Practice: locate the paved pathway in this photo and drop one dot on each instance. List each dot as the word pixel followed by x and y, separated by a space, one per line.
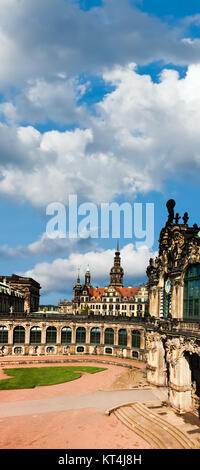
pixel 101 400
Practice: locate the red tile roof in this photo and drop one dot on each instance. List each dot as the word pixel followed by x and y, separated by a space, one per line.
pixel 124 291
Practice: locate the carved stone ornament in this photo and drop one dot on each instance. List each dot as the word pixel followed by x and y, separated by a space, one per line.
pixel 176 347
pixel 152 339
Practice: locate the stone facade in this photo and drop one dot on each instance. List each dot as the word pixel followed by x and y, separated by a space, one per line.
pixel 11 299
pixel 28 287
pixel 44 335
pixel 173 334
pixel 114 299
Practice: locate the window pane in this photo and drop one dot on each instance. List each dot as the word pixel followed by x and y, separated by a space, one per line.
pixel 135 339
pixel 122 338
pixel 66 335
pixel 80 335
pixel 95 336
pixel 109 336
pixel 192 292
pixel 35 335
pixel 51 335
pixel 19 334
pixel 3 334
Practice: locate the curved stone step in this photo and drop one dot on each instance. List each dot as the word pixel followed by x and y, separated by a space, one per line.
pixel 159 433
pixel 175 432
pixel 132 424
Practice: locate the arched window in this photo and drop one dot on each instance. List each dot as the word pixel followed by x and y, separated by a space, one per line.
pixel 191 306
pixel 19 335
pixel 35 335
pixel 109 336
pixel 51 335
pixel 3 334
pixel 135 339
pixel 122 337
pixel 66 335
pixel 80 335
pixel 95 336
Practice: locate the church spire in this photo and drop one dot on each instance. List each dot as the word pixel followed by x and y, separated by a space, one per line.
pixel 117 272
pixel 87 276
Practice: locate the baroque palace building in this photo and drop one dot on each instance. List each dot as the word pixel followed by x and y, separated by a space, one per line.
pixel 114 299
pixel 108 321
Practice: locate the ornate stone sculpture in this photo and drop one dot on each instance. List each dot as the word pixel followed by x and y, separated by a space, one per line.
pixel 170 206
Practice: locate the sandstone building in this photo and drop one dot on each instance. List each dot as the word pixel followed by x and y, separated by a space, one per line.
pixel 166 336
pixel 114 299
pixel 28 287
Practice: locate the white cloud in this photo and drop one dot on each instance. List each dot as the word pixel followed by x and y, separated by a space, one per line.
pixel 39 39
pixel 62 273
pixel 46 246
pixel 41 100
pixel 142 135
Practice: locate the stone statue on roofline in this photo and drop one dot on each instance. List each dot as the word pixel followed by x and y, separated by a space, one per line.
pixel 170 207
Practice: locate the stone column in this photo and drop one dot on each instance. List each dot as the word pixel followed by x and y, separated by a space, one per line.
pixel 156 365
pixel 58 341
pixel 142 339
pixel 102 335
pixel 173 300
pixel 129 338
pixel 177 299
pixel 154 306
pixel 180 389
pixel 180 300
pixel 87 334
pixel 43 335
pixel 10 335
pixel 115 336
pixel 73 334
pixel 27 334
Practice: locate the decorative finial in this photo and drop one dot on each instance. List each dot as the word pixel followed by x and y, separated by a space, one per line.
pixel 177 217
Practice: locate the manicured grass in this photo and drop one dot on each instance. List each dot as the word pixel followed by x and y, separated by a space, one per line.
pixel 31 377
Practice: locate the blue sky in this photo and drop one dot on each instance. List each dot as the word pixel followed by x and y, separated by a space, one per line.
pixel 99 99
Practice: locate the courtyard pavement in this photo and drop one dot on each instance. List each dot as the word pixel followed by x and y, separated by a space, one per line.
pixel 71 415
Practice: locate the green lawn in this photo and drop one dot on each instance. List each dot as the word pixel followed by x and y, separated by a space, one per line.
pixel 35 376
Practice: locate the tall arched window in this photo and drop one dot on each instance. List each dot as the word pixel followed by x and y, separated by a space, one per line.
pixel 51 335
pixel 122 337
pixel 80 335
pixel 66 335
pixel 109 336
pixel 19 335
pixel 135 339
pixel 35 335
pixel 95 336
pixel 191 305
pixel 3 334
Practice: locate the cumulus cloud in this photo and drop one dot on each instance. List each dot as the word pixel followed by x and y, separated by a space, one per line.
pixel 39 101
pixel 46 246
pixel 38 38
pixel 142 134
pixel 61 274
